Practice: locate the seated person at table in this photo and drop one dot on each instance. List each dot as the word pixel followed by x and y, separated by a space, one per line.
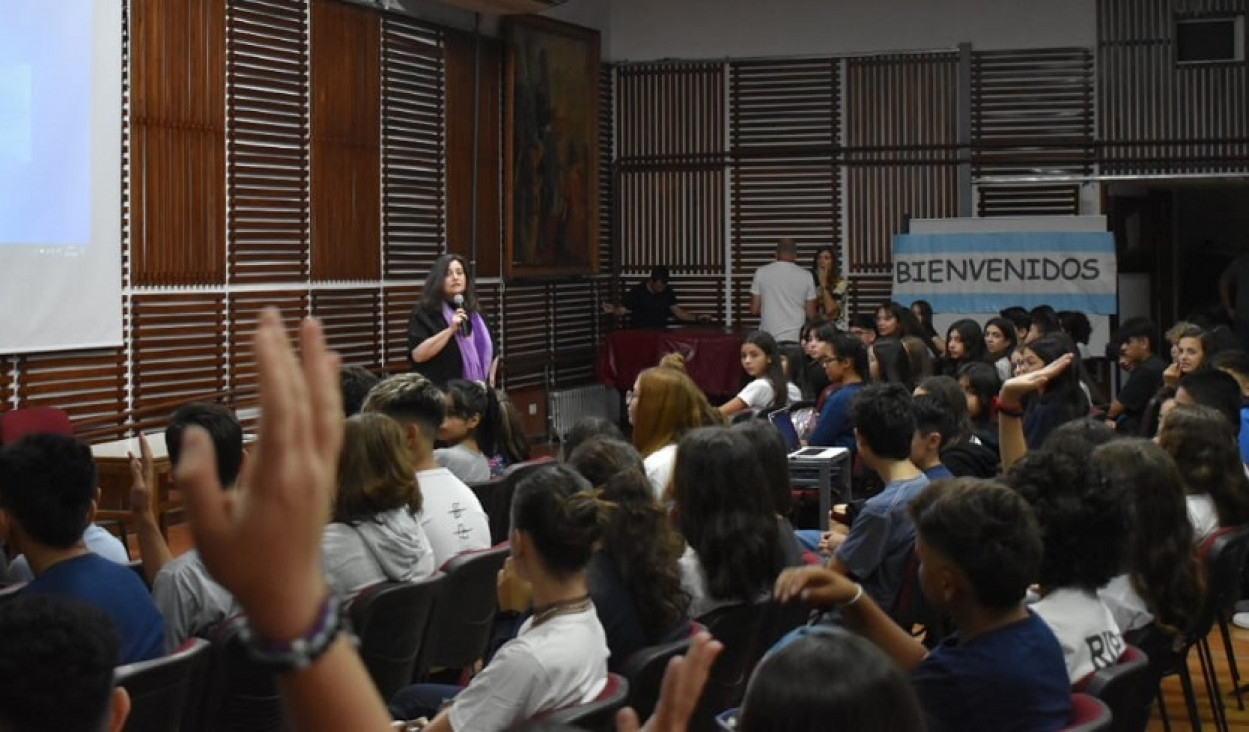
pixel 375 533
pixel 47 498
pixel 57 662
pixel 651 303
pixel 560 656
pixel 845 362
pixel 1084 524
pixel 876 548
pixel 190 600
pixel 451 515
pixel 979 548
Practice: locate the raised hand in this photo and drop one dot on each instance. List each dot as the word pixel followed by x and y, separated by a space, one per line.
pixel 142 478
pixel 683 684
pixel 1017 387
pixel 264 544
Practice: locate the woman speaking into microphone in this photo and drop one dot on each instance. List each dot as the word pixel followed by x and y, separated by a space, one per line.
pixel 447 337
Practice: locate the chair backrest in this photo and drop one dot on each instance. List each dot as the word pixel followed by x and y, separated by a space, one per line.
pixel 17 423
pixel 1224 552
pixel 1088 714
pixel 598 715
pixel 239 694
pixel 1127 688
pixel 463 610
pixel 911 608
pixel 392 621
pixel 747 632
pixel 495 497
pixel 645 672
pixel 159 688
pixel 784 424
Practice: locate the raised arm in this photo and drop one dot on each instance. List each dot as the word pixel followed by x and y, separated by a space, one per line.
pixel 153 549
pixel 1013 445
pixel 265 546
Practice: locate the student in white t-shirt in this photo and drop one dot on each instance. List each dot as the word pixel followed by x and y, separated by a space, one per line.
pixel 664 405
pixel 451 515
pixel 768 388
pixel 1084 525
pixel 559 659
pixel 1203 444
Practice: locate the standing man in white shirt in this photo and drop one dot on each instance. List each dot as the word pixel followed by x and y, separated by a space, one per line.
pixel 783 293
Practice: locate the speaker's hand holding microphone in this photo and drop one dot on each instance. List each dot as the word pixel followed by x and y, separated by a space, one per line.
pixel 461 320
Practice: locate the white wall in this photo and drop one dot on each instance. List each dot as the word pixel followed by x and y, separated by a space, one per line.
pixel 645 30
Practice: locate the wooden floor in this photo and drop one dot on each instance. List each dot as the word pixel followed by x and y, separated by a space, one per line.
pixel 180 541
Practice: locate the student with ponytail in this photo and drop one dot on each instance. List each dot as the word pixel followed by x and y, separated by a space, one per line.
pixel 559 659
pixel 472 430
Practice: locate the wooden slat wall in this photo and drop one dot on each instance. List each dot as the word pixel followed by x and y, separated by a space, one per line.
pixel 1029 200
pixel 528 339
pixel 459 147
pixel 350 318
pixel 901 139
pixel 398 303
pixel 786 116
pixel 1032 112
pixel 178 354
pixel 413 170
pixel 243 311
pixel 1156 116
pixel 178 141
pixel 670 167
pixel 89 385
pixel 346 117
pixel 268 175
pixel 606 168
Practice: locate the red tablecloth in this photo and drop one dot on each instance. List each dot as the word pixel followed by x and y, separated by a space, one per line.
pixel 712 357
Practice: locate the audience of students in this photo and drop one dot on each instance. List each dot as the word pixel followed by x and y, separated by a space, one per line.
pixel 634 577
pixel 375 533
pixel 1134 350
pixel 964 344
pixel 1204 447
pixel 47 499
pixel 773 457
pixel 1000 340
pixel 981 384
pixel 189 598
pixel 1084 526
pixel 888 361
pixel 961 450
pixel 723 508
pixel 470 431
pixel 844 359
pixel 664 405
pixel 768 388
pixel 1057 401
pixel 979 549
pixel 451 515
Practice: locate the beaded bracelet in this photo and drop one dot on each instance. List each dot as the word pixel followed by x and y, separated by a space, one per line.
pixel 299 652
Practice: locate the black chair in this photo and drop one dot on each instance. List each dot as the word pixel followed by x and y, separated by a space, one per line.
pixel 392 620
pixel 239 695
pixel 1224 552
pixel 495 497
pixel 911 609
pixel 598 715
pixel 159 688
pixel 463 611
pixel 747 632
pixel 645 672
pixel 1127 688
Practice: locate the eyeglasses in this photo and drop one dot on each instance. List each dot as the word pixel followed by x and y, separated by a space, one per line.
pixel 826 360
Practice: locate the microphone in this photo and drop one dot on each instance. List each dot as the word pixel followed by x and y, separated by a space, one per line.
pixel 466 328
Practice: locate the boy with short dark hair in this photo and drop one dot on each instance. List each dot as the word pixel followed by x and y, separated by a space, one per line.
pixel 979 548
pixel 876 548
pixel 47 498
pixel 933 427
pixel 1135 343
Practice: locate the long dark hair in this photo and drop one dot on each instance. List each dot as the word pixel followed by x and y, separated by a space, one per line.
pixel 946 390
pixel 474 399
pixel 924 317
pixel 775 373
pixel 725 513
pixel 561 514
pixel 1204 447
pixel 639 538
pixel 984 382
pixel 1162 560
pixel 1064 391
pixel 893 363
pixel 1008 329
pixel 432 296
pixel 972 336
pixel 815 264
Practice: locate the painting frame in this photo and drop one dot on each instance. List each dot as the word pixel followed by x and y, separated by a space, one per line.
pixel 551 139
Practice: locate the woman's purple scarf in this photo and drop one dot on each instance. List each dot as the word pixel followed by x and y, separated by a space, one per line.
pixel 476 350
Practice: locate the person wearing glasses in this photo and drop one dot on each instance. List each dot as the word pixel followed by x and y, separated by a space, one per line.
pixel 844 359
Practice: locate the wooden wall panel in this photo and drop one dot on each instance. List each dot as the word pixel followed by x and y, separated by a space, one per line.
pixel 178 141
pixel 267 171
pixel 413 169
pixel 397 306
pixel 89 385
pixel 179 353
pixel 352 321
pixel 1156 116
pixel 346 118
pixel 527 334
pixel 460 167
pixel 243 313
pixel 901 150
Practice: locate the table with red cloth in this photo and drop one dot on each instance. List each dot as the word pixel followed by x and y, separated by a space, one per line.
pixel 712 357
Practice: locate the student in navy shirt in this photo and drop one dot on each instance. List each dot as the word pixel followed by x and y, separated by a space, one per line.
pixel 1002 669
pixel 47 498
pixel 844 359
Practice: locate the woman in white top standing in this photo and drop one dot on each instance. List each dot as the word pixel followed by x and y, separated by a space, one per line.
pixel 768 388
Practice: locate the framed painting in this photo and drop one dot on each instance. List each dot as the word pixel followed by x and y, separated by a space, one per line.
pixel 551 148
